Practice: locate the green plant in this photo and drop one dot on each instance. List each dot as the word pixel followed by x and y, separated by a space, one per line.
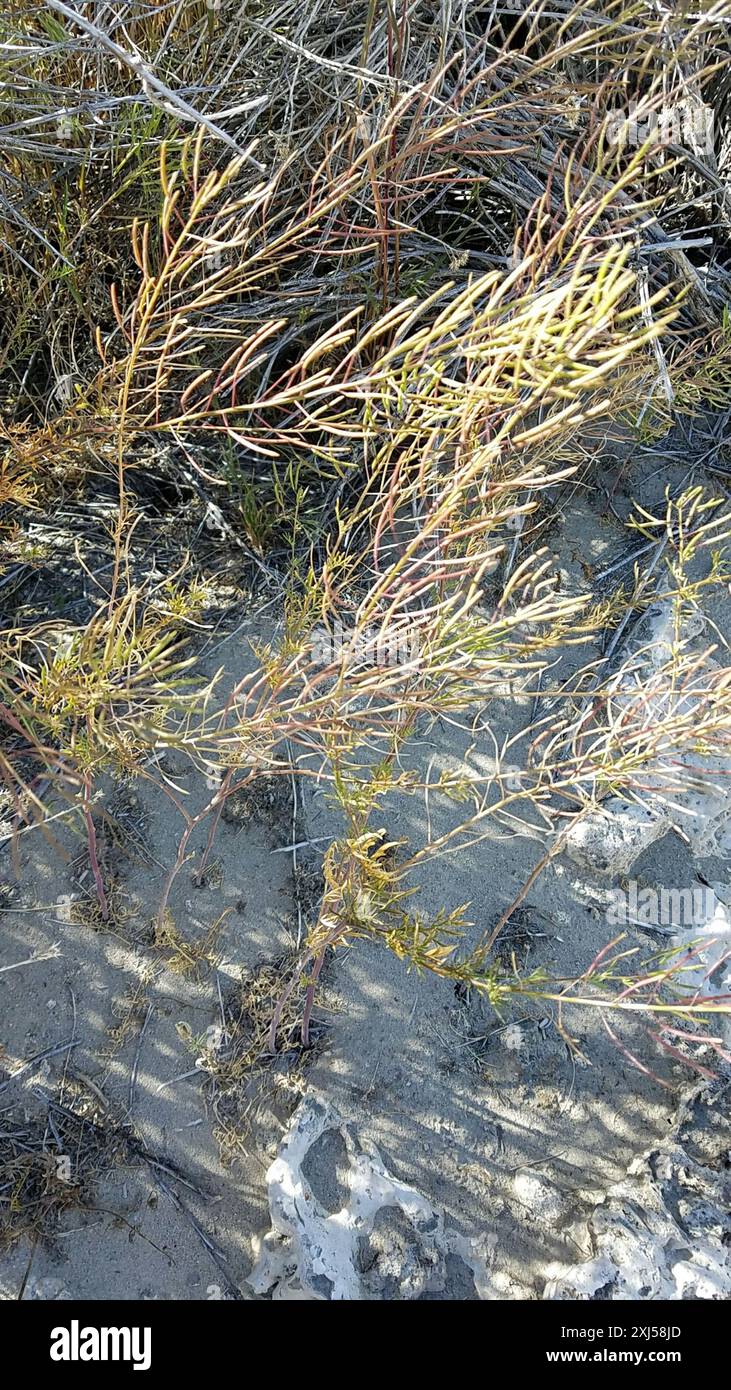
pixel 369 321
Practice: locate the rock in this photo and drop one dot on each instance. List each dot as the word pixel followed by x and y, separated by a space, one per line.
pixel 384 1241
pixel 541 1198
pixel 48 1289
pixel 664 1231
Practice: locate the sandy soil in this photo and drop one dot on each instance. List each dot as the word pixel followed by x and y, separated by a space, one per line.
pixel 509 1138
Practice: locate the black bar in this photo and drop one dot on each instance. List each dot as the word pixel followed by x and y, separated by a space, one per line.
pixel 204 1337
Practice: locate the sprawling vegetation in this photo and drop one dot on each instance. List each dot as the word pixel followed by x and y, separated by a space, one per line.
pixel 347 291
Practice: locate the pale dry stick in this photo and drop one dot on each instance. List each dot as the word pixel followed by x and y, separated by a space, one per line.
pixel 136 1064
pixel 151 85
pixel 183 1076
pixel 51 954
pixel 39 1057
pixel 301 844
pixel 215 1254
pixel 75 1020
pixel 224 1029
pixel 664 376
pixel 373 79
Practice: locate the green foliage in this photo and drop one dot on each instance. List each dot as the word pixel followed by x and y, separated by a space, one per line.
pixel 364 286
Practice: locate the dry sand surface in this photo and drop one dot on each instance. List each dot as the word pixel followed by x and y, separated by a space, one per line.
pixel 466 1153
